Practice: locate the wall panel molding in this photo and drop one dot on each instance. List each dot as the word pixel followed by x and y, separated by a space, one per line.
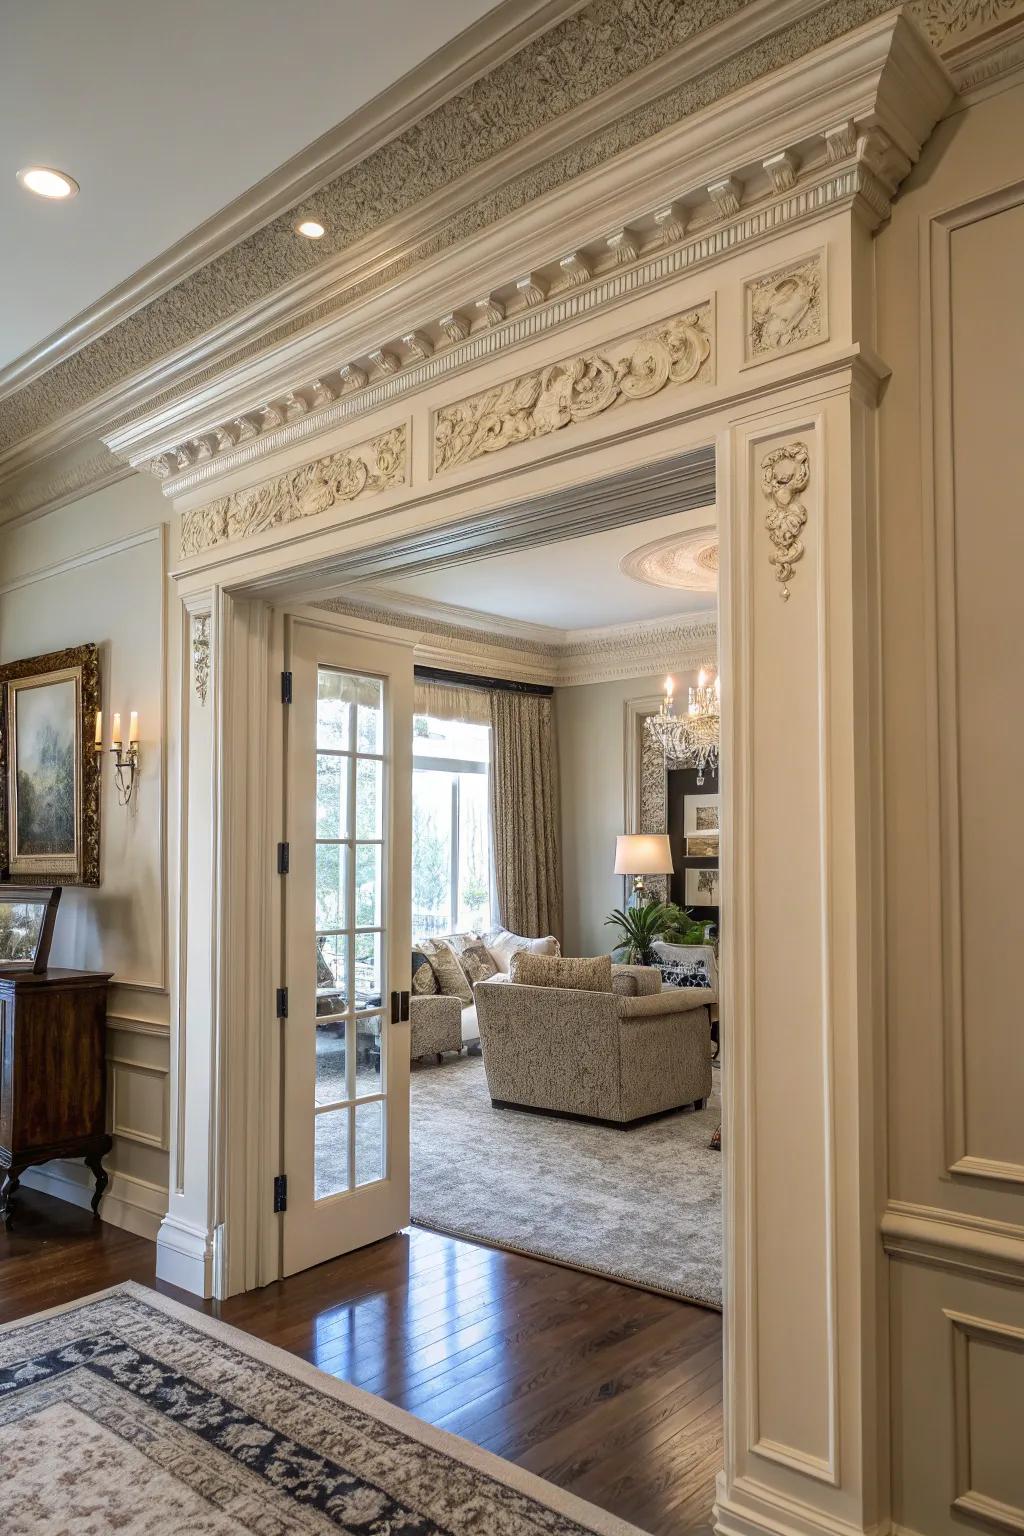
pixel 970 1335
pixel 955 1240
pixel 939 488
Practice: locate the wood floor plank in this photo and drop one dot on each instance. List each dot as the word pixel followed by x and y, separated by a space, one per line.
pixel 608 1391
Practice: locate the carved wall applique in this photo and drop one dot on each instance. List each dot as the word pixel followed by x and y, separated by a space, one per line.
pixel 548 399
pixel 786 309
pixel 201 655
pixel 785 473
pixel 364 470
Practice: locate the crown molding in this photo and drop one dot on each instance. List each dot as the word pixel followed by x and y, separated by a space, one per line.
pixel 465 639
pixel 483 45
pixel 661 185
pixel 882 85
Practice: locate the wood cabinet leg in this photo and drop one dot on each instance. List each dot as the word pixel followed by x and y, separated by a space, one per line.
pixel 12 1178
pixel 94 1163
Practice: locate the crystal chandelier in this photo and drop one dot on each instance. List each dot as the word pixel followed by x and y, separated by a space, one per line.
pixel 690 740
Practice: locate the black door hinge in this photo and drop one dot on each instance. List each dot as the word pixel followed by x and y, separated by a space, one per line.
pixel 282 858
pixel 280 1193
pixel 282 1002
pixel 286 687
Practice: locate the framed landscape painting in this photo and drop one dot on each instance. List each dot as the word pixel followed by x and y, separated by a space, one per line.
pixel 49 773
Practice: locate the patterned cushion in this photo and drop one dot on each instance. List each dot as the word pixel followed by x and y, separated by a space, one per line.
pixel 452 979
pixel 553 971
pixel 474 957
pixel 686 973
pixel 502 945
pixel 424 981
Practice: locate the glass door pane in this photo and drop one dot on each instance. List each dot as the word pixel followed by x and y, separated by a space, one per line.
pixel 350 1101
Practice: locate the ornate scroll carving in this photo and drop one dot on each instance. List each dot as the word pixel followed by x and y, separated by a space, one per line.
pixel 201 655
pixel 786 309
pixel 785 473
pixel 574 390
pixel 360 471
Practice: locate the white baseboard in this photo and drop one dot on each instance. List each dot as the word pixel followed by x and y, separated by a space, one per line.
pixel 185 1256
pixel 753 1509
pixel 130 1203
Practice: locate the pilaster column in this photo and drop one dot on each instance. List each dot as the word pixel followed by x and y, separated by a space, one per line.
pixel 804 1313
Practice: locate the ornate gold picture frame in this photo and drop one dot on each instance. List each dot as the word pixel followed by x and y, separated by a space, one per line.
pixel 49 770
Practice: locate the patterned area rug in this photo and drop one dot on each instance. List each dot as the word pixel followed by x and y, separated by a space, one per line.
pixel 644 1205
pixel 128 1413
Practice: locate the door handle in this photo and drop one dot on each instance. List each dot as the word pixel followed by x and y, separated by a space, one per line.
pixel 405 1008
pixel 396 1007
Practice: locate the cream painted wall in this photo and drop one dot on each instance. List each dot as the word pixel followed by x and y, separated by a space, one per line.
pixel 951 327
pixel 591 724
pixel 96 571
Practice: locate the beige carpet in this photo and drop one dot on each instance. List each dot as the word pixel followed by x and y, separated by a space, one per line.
pixel 642 1205
pixel 126 1413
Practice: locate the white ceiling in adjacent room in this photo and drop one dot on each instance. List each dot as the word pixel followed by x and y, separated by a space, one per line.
pixel 164 111
pixel 574 584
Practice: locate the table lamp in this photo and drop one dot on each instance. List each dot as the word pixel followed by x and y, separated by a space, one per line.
pixel 642 853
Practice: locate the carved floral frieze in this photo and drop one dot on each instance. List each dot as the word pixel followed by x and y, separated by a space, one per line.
pixel 680 351
pixel 785 474
pixel 786 309
pixel 364 470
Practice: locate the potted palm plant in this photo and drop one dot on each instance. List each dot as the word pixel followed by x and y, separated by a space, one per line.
pixel 641 927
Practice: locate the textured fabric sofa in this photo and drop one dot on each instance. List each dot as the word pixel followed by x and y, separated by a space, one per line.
pixel 606 1056
pixel 441 1020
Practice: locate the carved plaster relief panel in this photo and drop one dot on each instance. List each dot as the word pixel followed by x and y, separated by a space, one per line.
pixel 785 473
pixel 363 470
pixel 680 351
pixel 785 309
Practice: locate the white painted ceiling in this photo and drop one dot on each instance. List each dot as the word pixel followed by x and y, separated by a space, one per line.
pixel 164 111
pixel 574 584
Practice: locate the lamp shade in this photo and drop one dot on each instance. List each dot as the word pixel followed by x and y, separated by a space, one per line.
pixel 643 853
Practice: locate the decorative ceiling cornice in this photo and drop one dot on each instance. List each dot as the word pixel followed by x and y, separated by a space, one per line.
pixel 604 79
pixel 467 639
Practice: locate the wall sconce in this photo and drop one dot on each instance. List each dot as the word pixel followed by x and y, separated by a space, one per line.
pixel 126 760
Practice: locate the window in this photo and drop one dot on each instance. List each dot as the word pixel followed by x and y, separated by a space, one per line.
pixel 451 845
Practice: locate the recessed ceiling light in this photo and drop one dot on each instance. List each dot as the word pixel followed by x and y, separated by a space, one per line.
pixel 309 229
pixel 46 182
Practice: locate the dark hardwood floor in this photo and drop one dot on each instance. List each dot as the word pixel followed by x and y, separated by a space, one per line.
pixel 606 1390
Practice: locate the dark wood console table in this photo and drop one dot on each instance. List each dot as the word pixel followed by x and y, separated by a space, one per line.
pixel 53 1076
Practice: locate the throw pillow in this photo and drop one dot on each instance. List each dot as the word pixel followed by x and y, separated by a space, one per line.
pixel 452 979
pixel 685 973
pixel 555 971
pixel 424 981
pixel 475 958
pixel 502 945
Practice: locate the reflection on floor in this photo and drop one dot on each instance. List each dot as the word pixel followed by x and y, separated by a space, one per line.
pixel 607 1391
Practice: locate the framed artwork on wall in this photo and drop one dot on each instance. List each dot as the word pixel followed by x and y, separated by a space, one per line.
pixel 700 815
pixel 702 845
pixel 49 769
pixel 702 888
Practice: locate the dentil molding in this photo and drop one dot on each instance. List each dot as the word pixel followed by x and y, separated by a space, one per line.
pixel 650 202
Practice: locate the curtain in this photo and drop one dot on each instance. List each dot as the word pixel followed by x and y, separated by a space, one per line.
pixel 525 821
pixel 452 701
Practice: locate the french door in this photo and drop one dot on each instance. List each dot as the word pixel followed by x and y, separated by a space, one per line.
pixel 348 776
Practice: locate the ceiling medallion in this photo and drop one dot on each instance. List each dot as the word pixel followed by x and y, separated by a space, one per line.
pixel 688 561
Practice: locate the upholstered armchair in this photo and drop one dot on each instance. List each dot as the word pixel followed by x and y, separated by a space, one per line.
pixel 605 1056
pixel 435 1025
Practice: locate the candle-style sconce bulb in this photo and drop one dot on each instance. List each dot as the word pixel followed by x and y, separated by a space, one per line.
pixel 126 759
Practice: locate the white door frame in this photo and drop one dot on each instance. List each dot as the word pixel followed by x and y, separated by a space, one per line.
pixel 811 657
